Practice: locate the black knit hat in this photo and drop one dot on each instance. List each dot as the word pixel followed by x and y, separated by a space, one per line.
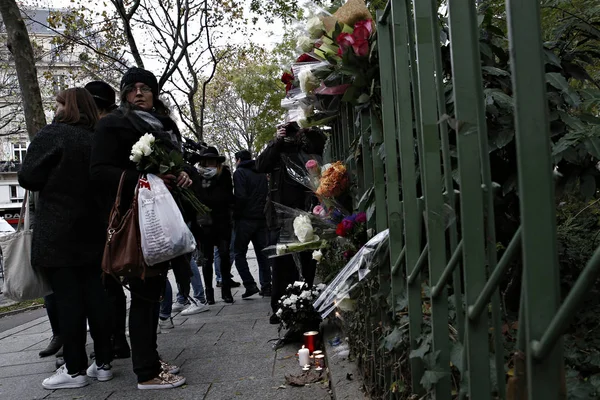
pixel 243 155
pixel 103 94
pixel 139 75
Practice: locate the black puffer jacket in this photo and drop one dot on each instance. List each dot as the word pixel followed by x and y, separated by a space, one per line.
pixel 67 231
pixel 251 189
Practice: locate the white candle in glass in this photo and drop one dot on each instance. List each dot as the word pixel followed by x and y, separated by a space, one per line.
pixel 303 356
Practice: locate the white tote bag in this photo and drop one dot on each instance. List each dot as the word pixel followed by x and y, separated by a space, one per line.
pixel 21 281
pixel 164 233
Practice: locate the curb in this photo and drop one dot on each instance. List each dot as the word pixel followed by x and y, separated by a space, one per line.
pixel 345 378
pixel 21 310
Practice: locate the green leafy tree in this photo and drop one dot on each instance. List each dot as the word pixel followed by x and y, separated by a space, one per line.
pixel 243 102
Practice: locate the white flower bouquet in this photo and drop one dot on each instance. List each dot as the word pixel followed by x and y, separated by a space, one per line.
pixel 152 157
pixel 296 307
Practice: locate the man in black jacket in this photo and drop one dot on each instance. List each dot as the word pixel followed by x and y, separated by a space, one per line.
pixel 283 189
pixel 250 189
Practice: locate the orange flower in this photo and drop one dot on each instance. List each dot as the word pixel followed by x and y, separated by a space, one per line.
pixel 334 181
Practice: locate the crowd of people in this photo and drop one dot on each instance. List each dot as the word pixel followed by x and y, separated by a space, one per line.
pixel 78 162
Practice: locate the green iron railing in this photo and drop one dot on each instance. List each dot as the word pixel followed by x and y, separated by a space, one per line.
pixel 405 163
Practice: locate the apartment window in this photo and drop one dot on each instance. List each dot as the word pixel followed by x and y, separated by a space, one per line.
pixel 19 151
pixel 17 193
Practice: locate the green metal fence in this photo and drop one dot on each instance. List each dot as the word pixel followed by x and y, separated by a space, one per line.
pixel 405 162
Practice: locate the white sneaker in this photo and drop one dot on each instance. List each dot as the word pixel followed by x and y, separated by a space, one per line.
pixel 166 324
pixel 102 373
pixel 164 380
pixel 177 306
pixel 195 309
pixel 62 380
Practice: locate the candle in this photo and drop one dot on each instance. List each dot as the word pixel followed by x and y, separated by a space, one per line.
pixel 306 368
pixel 319 362
pixel 310 340
pixel 303 356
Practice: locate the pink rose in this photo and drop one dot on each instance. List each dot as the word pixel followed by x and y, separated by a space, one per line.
pixel 319 211
pixel 311 164
pixel 344 40
pixel 361 217
pixel 363 29
pixel 361 47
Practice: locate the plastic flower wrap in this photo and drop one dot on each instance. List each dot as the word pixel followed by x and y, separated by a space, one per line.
pixel 299 231
pixel 373 253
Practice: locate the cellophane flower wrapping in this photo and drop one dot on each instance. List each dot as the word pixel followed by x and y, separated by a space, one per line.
pixel 299 231
pixel 296 306
pixel 375 251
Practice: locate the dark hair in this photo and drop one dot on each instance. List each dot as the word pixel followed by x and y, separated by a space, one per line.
pixel 243 155
pixel 312 140
pixel 158 105
pixel 103 94
pixel 79 108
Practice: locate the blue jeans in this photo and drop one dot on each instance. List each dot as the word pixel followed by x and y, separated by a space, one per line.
pixel 166 304
pixel 218 258
pixel 255 231
pixel 196 285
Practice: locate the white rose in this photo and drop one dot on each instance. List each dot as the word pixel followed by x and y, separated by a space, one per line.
pixel 298 284
pixel 315 27
pixel 317 255
pixel 303 229
pixel 146 150
pixel 305 44
pixel 308 82
pixel 279 312
pixel 136 155
pixel 321 286
pixel 148 139
pixel 325 168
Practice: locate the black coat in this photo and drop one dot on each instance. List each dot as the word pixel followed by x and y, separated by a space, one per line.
pixel 283 189
pixel 218 196
pixel 251 189
pixel 67 230
pixel 114 137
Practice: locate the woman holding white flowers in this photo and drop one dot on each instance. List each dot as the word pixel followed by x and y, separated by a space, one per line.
pixel 140 112
pixel 68 237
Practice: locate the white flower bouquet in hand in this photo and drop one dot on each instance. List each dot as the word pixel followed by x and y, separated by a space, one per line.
pixel 153 156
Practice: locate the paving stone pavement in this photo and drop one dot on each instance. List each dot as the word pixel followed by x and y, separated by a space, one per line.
pixel 223 353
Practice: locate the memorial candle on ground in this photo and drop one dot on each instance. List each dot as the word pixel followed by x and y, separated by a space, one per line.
pixel 303 356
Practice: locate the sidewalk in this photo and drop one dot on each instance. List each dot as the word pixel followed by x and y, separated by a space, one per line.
pixel 224 354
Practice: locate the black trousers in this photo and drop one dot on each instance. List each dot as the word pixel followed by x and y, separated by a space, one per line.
pixel 143 321
pixel 117 305
pixel 219 236
pixel 285 272
pixel 52 311
pixel 79 295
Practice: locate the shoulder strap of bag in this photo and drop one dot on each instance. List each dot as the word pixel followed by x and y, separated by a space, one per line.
pixel 120 189
pixel 24 219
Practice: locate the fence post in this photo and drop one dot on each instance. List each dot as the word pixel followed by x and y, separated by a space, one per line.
pixel 411 216
pixel 432 177
pixel 536 193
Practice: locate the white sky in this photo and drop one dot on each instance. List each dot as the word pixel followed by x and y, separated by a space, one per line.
pixel 262 33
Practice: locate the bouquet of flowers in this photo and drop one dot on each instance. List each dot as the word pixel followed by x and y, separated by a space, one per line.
pixel 296 310
pixel 299 231
pixel 152 156
pixel 334 180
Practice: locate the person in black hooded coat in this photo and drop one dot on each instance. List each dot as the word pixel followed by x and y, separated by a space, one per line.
pixel 140 112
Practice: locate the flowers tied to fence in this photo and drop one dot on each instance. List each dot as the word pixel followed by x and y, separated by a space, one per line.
pixel 152 156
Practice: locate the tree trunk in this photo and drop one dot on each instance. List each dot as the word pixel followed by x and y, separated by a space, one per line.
pixel 18 38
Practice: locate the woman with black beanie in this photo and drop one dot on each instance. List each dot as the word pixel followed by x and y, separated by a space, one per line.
pixel 140 112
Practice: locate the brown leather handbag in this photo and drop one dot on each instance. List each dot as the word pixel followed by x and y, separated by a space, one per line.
pixel 123 251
